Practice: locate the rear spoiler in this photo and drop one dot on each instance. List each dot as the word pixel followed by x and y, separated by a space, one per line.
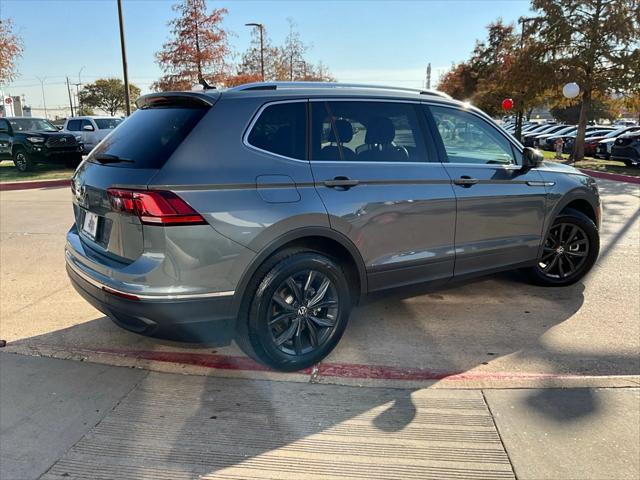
pixel 178 99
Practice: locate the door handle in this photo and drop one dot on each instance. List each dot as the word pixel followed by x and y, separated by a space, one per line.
pixel 342 183
pixel 466 181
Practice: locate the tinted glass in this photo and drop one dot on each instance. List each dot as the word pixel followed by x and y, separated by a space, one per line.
pixel 149 136
pixel 86 123
pixel 469 139
pixel 74 125
pixel 366 132
pixel 282 129
pixel 31 125
pixel 4 126
pixel 107 123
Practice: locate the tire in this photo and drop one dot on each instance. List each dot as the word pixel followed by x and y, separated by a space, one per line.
pixel 22 160
pixel 631 163
pixel 570 250
pixel 276 328
pixel 73 161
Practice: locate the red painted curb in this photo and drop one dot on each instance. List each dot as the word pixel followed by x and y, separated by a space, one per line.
pixel 36 184
pixel 616 177
pixel 338 370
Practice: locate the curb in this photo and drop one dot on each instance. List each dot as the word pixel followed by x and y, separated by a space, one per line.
pixel 65 182
pixel 616 177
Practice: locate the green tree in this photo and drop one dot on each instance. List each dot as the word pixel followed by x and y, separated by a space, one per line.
pixel 591 42
pixel 198 49
pixel 10 51
pixel 107 94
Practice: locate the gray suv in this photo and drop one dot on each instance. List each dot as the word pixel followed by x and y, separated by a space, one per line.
pixel 266 212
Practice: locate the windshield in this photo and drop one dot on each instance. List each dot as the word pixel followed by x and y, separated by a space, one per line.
pixel 107 123
pixel 32 124
pixel 620 131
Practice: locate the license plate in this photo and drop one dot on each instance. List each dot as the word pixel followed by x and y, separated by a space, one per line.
pixel 90 224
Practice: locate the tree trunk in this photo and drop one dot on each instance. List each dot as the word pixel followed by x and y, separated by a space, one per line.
pixel 578 152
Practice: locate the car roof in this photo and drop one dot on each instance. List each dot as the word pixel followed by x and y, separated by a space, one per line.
pixel 95 117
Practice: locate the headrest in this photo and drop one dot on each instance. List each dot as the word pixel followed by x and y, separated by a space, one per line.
pixel 380 131
pixel 345 131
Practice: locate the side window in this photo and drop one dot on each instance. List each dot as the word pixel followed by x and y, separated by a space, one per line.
pixel 281 129
pixel 4 125
pixel 85 123
pixel 74 125
pixel 366 132
pixel 469 139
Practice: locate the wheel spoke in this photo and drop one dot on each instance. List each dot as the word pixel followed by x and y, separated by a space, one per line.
pixel 560 268
pixel 281 317
pixel 322 322
pixel 297 340
pixel 309 281
pixel 572 234
pixel 578 243
pixel 313 333
pixel 295 289
pixel 561 234
pixel 320 293
pixel 281 301
pixel 326 303
pixel 576 254
pixel 572 266
pixel 552 264
pixel 288 333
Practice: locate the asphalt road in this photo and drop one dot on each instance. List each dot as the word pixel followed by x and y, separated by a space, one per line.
pixel 497 331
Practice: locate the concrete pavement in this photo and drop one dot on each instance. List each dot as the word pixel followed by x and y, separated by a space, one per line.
pixel 72 420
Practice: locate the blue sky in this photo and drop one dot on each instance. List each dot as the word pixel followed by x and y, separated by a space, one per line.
pixel 386 42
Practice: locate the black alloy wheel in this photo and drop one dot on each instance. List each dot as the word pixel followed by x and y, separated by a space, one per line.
pixel 566 249
pixel 304 311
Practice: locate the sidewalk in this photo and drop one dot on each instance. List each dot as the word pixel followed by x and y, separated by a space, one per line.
pixel 68 419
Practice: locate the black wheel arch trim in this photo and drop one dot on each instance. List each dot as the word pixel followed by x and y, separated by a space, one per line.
pixel 562 204
pixel 291 236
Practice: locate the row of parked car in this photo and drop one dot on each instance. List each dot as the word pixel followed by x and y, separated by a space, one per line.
pixel 615 142
pixel 29 141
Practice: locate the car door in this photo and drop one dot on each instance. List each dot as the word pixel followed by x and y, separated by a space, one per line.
pixel 88 133
pixel 5 140
pixel 375 169
pixel 500 206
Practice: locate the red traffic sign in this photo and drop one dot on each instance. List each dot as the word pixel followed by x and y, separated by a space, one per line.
pixel 8 100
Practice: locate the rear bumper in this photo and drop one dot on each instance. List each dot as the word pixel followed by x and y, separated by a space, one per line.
pixel 204 320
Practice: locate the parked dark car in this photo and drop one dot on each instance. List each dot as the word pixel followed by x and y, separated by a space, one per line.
pixel 28 141
pixel 570 140
pixel 626 149
pixel 603 147
pixel 530 139
pixel 266 212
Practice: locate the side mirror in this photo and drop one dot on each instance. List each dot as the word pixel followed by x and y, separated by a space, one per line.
pixel 531 158
pixel 88 128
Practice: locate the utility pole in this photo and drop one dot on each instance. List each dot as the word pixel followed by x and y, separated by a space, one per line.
pixel 70 102
pixel 44 102
pixel 127 100
pixel 428 76
pixel 79 102
pixel 260 26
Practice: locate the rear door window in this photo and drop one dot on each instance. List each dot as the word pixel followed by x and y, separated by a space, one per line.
pixel 367 131
pixel 107 123
pixel 86 123
pixel 281 129
pixel 148 137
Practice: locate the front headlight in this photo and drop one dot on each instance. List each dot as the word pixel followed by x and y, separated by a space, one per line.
pixel 35 139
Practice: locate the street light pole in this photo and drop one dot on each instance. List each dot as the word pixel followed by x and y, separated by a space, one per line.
pixel 44 102
pixel 127 100
pixel 520 111
pixel 260 26
pixel 79 104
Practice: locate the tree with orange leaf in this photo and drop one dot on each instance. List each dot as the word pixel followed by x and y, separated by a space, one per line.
pixel 10 51
pixel 198 49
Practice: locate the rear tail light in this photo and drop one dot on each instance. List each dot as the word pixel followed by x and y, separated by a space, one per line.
pixel 154 207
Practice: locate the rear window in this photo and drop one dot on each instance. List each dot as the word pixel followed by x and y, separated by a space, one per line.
pixel 148 137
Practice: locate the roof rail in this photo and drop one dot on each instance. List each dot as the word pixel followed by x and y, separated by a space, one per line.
pixel 293 85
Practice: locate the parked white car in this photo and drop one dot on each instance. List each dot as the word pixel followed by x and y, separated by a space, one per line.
pixel 90 129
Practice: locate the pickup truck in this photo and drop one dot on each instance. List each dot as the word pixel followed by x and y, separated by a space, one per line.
pixel 29 141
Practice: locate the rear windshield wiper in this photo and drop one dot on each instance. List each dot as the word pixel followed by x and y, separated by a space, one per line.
pixel 109 158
